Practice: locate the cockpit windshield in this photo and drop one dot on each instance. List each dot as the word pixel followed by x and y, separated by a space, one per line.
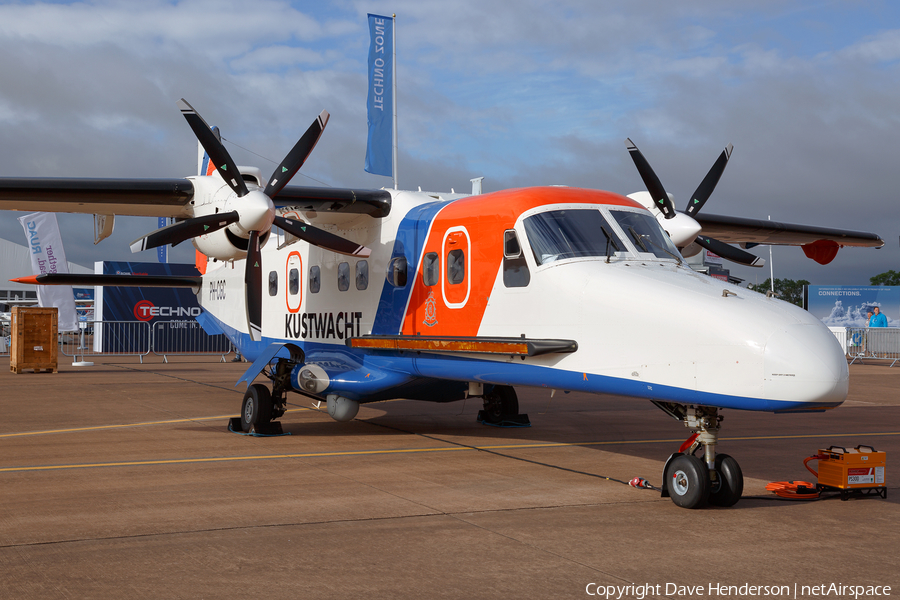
pixel 560 234
pixel 646 234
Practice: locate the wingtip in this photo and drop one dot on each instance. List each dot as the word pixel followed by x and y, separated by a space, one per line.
pixel 32 280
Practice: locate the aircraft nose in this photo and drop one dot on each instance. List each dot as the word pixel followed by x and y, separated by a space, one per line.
pixel 805 366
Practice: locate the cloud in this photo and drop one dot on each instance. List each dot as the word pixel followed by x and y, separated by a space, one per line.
pixel 523 93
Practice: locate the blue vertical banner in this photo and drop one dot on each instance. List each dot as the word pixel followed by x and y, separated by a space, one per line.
pixel 380 102
pixel 162 252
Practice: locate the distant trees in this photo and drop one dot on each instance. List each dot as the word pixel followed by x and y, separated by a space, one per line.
pixel 887 278
pixel 787 289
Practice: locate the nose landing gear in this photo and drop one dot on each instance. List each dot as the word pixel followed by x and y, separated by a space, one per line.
pixel 690 481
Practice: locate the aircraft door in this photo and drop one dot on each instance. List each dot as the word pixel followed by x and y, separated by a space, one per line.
pixel 456 271
pixel 294 282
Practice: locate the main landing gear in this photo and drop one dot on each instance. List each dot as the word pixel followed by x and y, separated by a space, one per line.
pixel 260 406
pixel 693 481
pixel 501 406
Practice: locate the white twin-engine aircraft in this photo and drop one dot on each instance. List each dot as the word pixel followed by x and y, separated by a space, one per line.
pixel 355 296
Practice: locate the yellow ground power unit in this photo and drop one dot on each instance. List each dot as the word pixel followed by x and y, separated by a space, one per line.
pixel 858 471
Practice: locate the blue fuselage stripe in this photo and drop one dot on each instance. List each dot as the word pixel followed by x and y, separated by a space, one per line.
pixel 411 237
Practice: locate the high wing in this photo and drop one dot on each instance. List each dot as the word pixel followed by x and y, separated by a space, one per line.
pixel 165 197
pixel 738 230
pixel 133 197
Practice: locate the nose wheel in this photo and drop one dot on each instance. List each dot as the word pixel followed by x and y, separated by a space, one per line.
pixel 692 481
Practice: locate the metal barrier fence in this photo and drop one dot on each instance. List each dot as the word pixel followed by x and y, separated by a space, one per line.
pixel 187 338
pixel 879 343
pixel 4 338
pixel 106 338
pixel 137 338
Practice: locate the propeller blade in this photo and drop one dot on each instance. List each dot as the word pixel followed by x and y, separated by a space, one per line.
pixel 189 228
pixel 706 187
pixel 322 239
pixel 297 156
pixel 253 281
pixel 729 252
pixel 651 181
pixel 213 146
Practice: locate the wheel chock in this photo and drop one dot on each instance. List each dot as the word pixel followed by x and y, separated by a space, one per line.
pixel 270 429
pixel 516 421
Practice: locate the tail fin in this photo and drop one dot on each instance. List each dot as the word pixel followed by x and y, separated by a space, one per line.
pixel 204 165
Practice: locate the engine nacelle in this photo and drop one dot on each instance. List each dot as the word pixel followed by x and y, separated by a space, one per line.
pixel 211 196
pixel 342 409
pixel 224 245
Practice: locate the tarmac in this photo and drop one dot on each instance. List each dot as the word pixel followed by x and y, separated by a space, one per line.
pixel 121 480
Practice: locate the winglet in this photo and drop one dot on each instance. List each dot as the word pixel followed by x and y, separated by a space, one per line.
pixel 32 280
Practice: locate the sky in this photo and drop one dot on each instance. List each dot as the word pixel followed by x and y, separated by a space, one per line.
pixel 524 92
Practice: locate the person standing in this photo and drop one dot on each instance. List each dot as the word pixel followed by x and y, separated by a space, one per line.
pixel 878 319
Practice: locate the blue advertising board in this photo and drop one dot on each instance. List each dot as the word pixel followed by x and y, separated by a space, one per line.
pixel 148 304
pixel 846 306
pixel 169 312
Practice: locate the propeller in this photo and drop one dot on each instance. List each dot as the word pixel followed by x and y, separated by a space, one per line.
pixel 253 281
pixel 681 226
pixel 729 252
pixel 660 198
pixel 254 212
pixel 706 187
pixel 184 230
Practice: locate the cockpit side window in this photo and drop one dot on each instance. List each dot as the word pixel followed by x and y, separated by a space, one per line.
pixel 646 234
pixel 515 268
pixel 570 233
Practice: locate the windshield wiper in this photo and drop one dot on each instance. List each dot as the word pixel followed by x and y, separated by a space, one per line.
pixel 637 238
pixel 664 249
pixel 609 239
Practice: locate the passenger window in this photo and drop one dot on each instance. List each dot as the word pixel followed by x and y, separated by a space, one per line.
pixel 315 283
pixel 273 283
pixel 456 266
pixel 344 276
pixel 362 275
pixel 430 269
pixel 293 282
pixel 397 271
pixel 515 269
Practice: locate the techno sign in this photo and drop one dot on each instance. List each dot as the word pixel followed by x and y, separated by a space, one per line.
pixel 145 305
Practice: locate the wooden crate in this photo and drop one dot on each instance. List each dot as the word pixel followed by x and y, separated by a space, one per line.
pixel 33 333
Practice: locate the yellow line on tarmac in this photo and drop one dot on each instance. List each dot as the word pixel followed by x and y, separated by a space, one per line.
pixel 178 461
pixel 409 451
pixel 124 425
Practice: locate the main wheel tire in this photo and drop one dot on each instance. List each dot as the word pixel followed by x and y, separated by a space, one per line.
pixel 501 403
pixel 688 481
pixel 729 485
pixel 257 406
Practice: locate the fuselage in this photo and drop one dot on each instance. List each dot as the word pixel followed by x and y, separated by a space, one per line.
pixel 539 263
